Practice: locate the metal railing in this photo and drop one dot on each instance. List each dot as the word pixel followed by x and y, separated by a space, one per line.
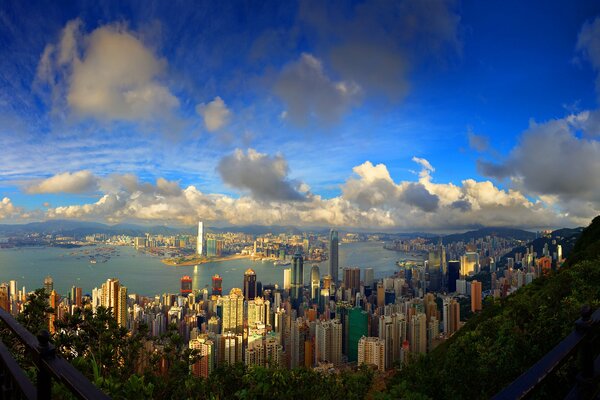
pixel 580 342
pixel 16 385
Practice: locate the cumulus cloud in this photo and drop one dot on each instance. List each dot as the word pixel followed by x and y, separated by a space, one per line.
pixel 215 114
pixel 588 45
pixel 76 182
pixel 406 205
pixel 7 208
pixel 264 176
pixel 310 94
pixel 558 161
pixel 108 74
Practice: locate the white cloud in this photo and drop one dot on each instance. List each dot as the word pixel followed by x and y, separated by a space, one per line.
pixel 76 182
pixel 557 161
pixel 215 114
pixel 108 75
pixel 370 199
pixel 7 208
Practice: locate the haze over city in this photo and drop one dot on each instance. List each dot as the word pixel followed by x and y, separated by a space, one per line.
pixel 396 116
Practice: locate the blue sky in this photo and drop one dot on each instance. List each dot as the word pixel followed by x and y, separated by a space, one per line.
pixel 309 113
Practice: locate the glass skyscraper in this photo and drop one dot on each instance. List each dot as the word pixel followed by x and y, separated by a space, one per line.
pixel 333 255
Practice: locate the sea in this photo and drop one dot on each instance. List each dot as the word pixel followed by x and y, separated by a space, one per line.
pixel 146 275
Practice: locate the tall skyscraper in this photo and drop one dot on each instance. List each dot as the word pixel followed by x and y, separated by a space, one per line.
pixel 418 334
pixel 469 263
pixel 352 279
pixel 114 296
pixel 233 312
pixel 249 284
pixel 200 239
pixel 297 277
pixel 315 283
pixel 328 341
pixel 453 275
pixel 358 321
pixel 76 296
pixel 368 281
pixel 287 278
pixel 333 255
pixel 206 356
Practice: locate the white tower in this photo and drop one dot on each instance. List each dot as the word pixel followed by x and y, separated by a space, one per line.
pixel 200 244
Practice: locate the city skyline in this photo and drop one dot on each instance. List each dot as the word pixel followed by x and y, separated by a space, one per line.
pixel 268 116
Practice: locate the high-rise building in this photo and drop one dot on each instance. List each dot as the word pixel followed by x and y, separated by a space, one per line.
pixel 214 247
pixel 186 285
pixel 315 283
pixel 371 351
pixel 352 279
pixel 475 296
pixel 13 291
pixel 233 312
pixel 48 284
pixel 297 277
pixel 287 278
pixel 54 305
pixel 328 341
pixel 114 296
pixel 333 255
pixel 76 296
pixel 469 263
pixel 453 275
pixel 250 284
pixel 451 316
pixel 200 239
pixel 230 348
pixel 368 281
pixel 217 285
pixel 418 334
pixel 205 362
pixel 358 321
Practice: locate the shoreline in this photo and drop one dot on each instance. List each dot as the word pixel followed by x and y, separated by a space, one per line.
pixel 188 263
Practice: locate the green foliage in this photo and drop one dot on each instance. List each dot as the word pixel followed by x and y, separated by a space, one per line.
pixel 35 312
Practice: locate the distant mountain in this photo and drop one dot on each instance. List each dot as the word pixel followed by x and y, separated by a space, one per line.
pixel 509 233
pixel 82 228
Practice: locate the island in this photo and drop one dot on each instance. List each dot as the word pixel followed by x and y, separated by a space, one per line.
pixel 196 260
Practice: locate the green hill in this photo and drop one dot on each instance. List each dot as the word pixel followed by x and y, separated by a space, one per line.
pixel 510 335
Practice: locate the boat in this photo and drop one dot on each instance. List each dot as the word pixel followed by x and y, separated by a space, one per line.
pixel 93 261
pixel 282 263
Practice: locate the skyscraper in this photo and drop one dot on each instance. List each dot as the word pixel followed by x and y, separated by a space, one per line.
pixel 114 296
pixel 233 311
pixel 368 281
pixel 4 297
pixel 297 277
pixel 249 284
pixel 333 255
pixel 358 321
pixel 418 334
pixel 76 296
pixel 315 282
pixel 453 275
pixel 328 341
pixel 352 279
pixel 217 285
pixel 200 239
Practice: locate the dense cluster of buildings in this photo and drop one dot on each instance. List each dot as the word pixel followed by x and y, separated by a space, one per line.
pixel 341 317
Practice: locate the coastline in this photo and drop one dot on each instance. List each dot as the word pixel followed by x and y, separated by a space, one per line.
pixel 196 261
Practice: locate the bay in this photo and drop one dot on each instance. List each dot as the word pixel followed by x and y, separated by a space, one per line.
pixel 145 274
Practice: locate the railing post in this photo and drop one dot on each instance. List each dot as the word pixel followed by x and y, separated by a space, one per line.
pixel 44 380
pixel 586 355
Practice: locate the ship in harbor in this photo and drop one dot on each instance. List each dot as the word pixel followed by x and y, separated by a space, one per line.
pixel 282 263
